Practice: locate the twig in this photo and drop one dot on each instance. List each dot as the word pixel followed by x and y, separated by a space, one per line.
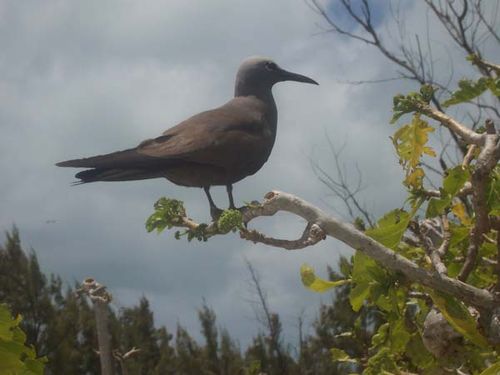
pixel 462 193
pixel 443 248
pixel 312 235
pixel 469 156
pixel 428 236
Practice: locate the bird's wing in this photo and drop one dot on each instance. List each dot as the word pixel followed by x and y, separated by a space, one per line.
pixel 213 137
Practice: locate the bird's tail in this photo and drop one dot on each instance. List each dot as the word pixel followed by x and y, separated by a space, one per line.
pixel 128 157
pixel 115 174
pixel 126 165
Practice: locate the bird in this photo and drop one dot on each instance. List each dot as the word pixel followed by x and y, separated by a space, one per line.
pixel 218 147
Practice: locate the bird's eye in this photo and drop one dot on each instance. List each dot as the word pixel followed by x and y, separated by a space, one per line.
pixel 271 66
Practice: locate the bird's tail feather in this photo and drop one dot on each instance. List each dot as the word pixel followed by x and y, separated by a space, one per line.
pixel 127 158
pixel 115 174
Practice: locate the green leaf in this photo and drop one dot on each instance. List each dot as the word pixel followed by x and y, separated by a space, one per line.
pixel 15 356
pixel 419 355
pixel 468 90
pixel 494 369
pixel 358 295
pixel 390 228
pixel 437 206
pixel 379 294
pixel 403 104
pixel 380 337
pixel 338 355
pixel 459 233
pixel 493 192
pixel 382 362
pixel 455 179
pixel 230 220
pixel 459 317
pixel 168 213
pixel 316 284
pixel 366 273
pixel 399 336
pixel 452 183
pixel 494 86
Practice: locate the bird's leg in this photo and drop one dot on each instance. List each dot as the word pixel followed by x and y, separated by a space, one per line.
pixel 214 210
pixel 229 188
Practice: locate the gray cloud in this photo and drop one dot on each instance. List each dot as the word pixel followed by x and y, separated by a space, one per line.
pixel 79 78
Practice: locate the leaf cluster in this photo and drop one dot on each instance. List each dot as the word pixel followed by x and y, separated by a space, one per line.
pixel 15 356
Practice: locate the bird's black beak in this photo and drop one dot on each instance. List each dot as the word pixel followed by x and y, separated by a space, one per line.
pixel 289 76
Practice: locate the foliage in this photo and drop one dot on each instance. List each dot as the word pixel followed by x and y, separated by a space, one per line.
pixel 399 343
pixel 403 104
pixel 15 356
pixel 62 328
pixel 410 143
pixel 169 213
pixel 230 220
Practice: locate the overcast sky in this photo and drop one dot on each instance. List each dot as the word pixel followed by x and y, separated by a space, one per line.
pixel 79 78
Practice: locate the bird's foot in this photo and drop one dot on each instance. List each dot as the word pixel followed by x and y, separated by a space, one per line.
pixel 215 213
pixel 243 210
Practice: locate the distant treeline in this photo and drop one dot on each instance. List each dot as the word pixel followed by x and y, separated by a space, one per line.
pixel 61 326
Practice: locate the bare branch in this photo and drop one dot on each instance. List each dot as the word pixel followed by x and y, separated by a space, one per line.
pixel 340 186
pixel 311 236
pixel 121 358
pixel 469 156
pixel 486 161
pixel 488 25
pixel 429 233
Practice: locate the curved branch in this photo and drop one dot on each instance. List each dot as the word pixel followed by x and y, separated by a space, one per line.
pixel 311 236
pixel 276 201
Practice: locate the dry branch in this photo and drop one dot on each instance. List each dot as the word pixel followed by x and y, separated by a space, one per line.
pixel 100 299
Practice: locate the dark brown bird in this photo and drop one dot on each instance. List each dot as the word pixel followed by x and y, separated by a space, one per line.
pixel 217 147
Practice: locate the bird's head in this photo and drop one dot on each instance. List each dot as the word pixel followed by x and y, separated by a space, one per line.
pixel 260 73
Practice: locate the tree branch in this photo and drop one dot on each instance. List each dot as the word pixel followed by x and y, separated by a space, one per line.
pixel 486 161
pixel 122 358
pixel 312 235
pixel 278 201
pixel 320 225
pixel 468 135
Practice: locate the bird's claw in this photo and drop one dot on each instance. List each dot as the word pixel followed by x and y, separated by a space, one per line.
pixel 215 213
pixel 243 210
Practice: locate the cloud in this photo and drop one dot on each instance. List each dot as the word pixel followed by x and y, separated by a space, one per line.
pixel 82 78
